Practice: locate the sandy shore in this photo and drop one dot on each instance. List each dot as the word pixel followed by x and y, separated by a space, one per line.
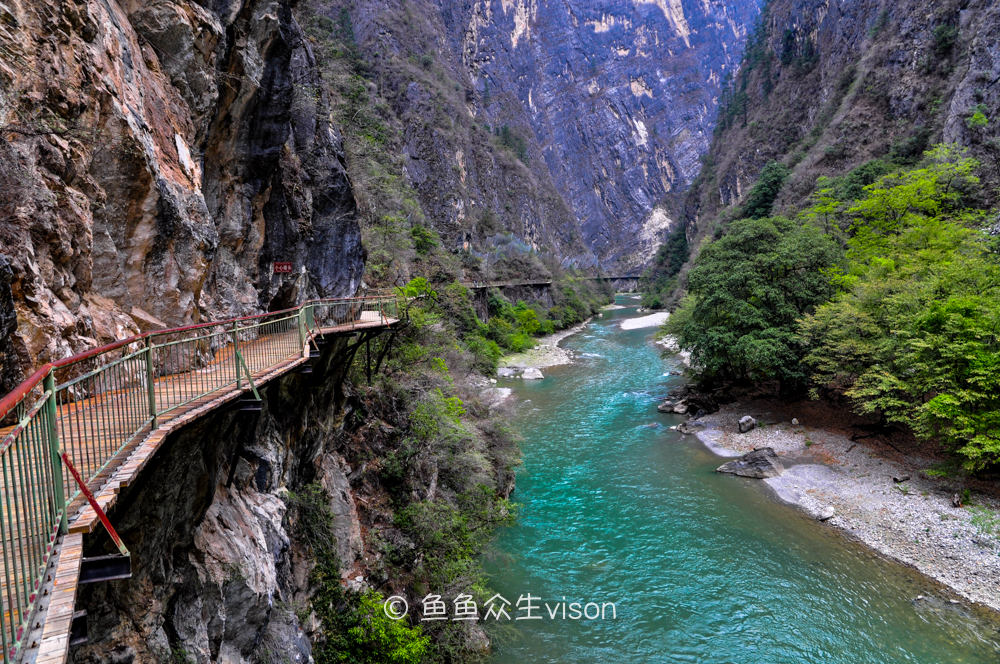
pixel 913 521
pixel 652 320
pixel 546 354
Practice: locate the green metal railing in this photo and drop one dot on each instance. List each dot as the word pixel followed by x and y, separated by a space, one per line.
pixel 92 406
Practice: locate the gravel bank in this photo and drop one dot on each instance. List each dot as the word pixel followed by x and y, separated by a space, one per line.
pixel 652 320
pixel 546 354
pixel 913 521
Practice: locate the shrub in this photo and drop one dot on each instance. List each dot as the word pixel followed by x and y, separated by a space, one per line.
pixel 761 198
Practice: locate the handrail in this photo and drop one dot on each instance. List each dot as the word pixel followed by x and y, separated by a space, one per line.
pixel 8 402
pixel 91 416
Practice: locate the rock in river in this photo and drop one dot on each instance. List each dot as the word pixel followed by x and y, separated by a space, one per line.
pixel 690 426
pixel 761 464
pixel 531 373
pixel 666 407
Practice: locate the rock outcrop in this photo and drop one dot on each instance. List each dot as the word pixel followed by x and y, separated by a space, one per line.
pixel 218 573
pixel 166 153
pixel 606 108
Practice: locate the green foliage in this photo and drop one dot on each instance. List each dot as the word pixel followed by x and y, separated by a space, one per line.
pixel 912 336
pixel 424 239
pixel 880 24
pixel 451 535
pixel 660 280
pixel 747 291
pixel 761 198
pixel 354 628
pixel 978 119
pixel 513 141
pixel 417 287
pixel 945 38
pixel 379 639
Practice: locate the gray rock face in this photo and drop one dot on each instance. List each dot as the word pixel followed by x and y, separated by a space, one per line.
pixel 616 100
pixel 10 369
pixel 216 158
pixel 665 406
pixel 747 423
pixel 619 95
pixel 759 464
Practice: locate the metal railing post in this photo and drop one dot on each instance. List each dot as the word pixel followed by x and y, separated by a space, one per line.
pixel 236 352
pixel 302 329
pixel 52 412
pixel 149 382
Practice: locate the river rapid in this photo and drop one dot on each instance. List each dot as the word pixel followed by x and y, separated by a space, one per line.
pixel 700 567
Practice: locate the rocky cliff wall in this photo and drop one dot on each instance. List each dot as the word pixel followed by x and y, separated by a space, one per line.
pixel 157 156
pixel 827 86
pixel 607 107
pixel 620 95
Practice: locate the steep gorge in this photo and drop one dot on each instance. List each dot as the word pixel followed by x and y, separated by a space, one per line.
pixel 826 87
pixel 157 157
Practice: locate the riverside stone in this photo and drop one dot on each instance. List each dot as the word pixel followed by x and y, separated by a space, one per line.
pixel 747 423
pixel 531 373
pixel 758 464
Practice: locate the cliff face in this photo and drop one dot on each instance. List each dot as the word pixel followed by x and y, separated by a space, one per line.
pixel 614 102
pixel 160 155
pixel 828 86
pixel 621 96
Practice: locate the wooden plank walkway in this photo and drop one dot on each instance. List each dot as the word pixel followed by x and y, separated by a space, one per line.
pixel 180 399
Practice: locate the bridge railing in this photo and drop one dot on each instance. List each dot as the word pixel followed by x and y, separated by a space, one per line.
pixel 91 406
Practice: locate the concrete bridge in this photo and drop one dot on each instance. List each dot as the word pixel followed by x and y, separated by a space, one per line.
pixel 84 427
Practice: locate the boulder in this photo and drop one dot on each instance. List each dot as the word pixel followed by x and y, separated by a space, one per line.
pixel 703 402
pixel 700 414
pixel 795 422
pixel 825 513
pixel 691 426
pixel 531 373
pixel 666 406
pixel 760 464
pixel 747 423
pixel 681 407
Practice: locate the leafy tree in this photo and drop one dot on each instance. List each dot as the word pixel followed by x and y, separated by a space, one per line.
pixel 747 291
pixel 913 335
pixel 761 198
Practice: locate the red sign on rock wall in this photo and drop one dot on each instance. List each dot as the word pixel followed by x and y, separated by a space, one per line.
pixel 282 268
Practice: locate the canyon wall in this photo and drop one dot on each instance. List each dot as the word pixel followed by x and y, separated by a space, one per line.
pixel 157 157
pixel 615 102
pixel 828 86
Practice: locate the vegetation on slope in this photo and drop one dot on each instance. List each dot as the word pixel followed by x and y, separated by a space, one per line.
pixel 887 292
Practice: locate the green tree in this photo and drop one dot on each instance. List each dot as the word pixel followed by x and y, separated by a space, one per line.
pixel 913 335
pixel 747 291
pixel 761 198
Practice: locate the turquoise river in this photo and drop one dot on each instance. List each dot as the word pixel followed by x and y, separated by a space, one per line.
pixel 701 567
